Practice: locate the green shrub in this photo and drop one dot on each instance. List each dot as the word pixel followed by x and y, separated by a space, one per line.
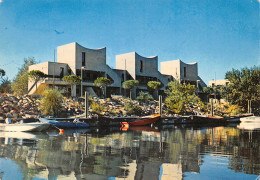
pixel 97 108
pixel 132 108
pixel 51 103
pixel 144 97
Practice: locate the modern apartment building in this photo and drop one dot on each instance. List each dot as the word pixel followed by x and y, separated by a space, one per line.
pixel 90 64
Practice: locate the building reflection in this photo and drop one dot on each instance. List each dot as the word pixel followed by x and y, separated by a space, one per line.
pixel 165 154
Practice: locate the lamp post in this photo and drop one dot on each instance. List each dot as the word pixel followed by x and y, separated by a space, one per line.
pixel 81 88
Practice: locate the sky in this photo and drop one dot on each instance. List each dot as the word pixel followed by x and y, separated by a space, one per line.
pixel 218 34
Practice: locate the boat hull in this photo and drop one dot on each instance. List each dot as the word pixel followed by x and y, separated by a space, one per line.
pixel 255 119
pixel 24 127
pixel 63 125
pixel 145 121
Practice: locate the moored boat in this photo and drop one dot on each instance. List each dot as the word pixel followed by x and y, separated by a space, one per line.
pixel 255 119
pixel 146 120
pixel 18 127
pixel 249 125
pixel 61 124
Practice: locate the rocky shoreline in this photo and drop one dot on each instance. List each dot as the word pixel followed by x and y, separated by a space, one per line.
pixel 21 107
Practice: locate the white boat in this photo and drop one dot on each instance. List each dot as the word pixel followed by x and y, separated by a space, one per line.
pixel 23 135
pixel 255 119
pixel 18 127
pixel 249 125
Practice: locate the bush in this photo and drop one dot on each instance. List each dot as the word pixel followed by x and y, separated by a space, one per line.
pixel 97 108
pixel 51 103
pixel 144 97
pixel 133 108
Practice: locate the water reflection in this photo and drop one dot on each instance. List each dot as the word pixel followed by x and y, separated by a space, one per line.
pixel 174 153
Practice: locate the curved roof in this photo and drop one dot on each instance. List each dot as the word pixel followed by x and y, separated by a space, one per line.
pixel 151 57
pixel 89 48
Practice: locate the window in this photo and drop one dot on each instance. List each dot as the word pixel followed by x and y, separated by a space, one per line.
pixel 83 59
pixel 184 71
pixel 141 66
pixel 61 72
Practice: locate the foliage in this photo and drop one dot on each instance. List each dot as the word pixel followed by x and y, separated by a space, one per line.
pixel 72 80
pixel 102 82
pixel 244 86
pixel 97 108
pixel 51 103
pixel 5 86
pixel 181 97
pixel 36 75
pixel 20 83
pixel 2 73
pixel 132 108
pixel 130 84
pixel 154 85
pixel 144 97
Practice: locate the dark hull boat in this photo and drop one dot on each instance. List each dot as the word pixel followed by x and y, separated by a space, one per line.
pixel 122 121
pixel 64 125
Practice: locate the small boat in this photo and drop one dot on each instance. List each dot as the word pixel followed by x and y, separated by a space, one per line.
pixel 61 124
pixel 146 120
pixel 249 125
pixel 105 121
pixel 19 127
pixel 255 119
pixel 23 135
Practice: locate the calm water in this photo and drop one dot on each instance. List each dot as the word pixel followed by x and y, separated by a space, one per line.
pixel 148 153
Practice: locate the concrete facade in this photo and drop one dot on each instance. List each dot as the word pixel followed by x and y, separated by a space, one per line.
pixel 183 72
pixel 91 63
pixel 222 82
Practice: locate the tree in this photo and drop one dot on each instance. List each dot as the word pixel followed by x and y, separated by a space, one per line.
pixel 244 87
pixel 2 73
pixel 102 82
pixel 20 83
pixel 72 80
pixel 154 86
pixel 5 86
pixel 130 84
pixel 36 75
pixel 181 97
pixel 51 103
pixel 144 97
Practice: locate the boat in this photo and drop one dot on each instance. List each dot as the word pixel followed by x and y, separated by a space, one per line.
pixel 146 120
pixel 249 125
pixel 255 119
pixel 62 124
pixel 24 135
pixel 105 121
pixel 19 127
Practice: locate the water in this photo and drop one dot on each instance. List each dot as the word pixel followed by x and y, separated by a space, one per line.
pixel 138 153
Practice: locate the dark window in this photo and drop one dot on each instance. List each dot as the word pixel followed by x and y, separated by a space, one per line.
pixel 141 66
pixel 184 70
pixel 213 84
pixel 69 71
pixel 83 58
pixel 61 72
pixel 227 83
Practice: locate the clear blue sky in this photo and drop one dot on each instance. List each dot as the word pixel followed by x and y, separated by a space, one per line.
pixel 218 34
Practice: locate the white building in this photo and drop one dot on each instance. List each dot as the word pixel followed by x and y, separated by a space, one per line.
pixel 91 63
